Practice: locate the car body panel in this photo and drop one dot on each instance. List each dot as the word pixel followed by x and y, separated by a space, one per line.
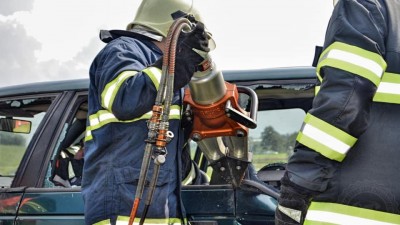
pixel 29 201
pixel 51 206
pixel 10 199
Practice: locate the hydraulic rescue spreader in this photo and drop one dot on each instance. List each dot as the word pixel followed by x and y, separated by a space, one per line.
pixel 220 125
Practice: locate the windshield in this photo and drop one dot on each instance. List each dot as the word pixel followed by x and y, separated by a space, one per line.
pixel 19 113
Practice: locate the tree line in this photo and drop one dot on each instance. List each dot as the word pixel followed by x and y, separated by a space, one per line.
pixel 273 141
pixel 12 139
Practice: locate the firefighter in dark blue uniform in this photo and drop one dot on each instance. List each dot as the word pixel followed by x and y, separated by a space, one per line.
pixel 345 166
pixel 124 79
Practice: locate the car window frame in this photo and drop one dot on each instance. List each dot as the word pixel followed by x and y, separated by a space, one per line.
pixel 30 170
pixel 79 98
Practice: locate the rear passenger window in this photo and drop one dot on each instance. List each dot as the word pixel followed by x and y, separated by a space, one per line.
pixel 274 138
pixel 271 143
pixel 65 169
pixel 19 119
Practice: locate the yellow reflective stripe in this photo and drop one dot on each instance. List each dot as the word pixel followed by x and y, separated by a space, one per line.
pixel 149 221
pixel 88 134
pixel 104 117
pixel 353 59
pixel 111 89
pixel 154 74
pixel 389 89
pixel 103 222
pixel 334 213
pixel 175 112
pixel 325 138
pixel 316 90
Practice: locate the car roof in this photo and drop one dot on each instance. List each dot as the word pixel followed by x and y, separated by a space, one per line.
pixel 229 75
pixel 45 87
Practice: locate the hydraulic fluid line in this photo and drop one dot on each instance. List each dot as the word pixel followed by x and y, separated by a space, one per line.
pixel 169 55
pixel 158 161
pixel 158 124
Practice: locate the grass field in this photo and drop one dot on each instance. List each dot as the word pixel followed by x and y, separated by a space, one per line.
pixel 261 160
pixel 10 157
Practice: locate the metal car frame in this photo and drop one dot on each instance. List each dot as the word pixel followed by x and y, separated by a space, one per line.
pixel 27 201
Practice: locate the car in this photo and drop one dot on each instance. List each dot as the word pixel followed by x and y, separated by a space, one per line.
pixel 42 126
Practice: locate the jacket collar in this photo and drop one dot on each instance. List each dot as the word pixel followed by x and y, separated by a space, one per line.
pixel 109 35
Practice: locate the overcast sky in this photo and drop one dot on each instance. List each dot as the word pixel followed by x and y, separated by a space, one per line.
pixel 45 40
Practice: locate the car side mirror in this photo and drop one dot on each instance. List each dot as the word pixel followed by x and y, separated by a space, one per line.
pixel 15 125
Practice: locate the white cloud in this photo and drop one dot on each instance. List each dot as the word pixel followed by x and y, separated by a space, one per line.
pixel 58 39
pixel 64 27
pixel 8 7
pixel 266 33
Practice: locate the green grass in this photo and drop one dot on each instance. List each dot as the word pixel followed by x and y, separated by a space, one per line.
pixel 260 160
pixel 10 158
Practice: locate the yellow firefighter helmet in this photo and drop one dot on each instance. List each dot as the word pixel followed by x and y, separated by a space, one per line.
pixel 156 14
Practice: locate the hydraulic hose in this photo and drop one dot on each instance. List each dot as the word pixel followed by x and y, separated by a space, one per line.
pixel 176 29
pixel 158 134
pixel 264 189
pixel 158 161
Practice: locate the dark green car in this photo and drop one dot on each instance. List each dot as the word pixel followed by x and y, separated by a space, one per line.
pixel 40 122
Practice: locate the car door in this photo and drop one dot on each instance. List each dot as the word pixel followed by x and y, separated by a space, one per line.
pixel 28 195
pixel 284 95
pixel 48 201
pixel 23 119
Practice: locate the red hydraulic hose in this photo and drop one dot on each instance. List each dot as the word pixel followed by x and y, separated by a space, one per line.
pixel 158 123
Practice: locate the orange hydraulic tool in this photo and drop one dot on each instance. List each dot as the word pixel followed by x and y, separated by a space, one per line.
pixel 215 119
pixel 220 124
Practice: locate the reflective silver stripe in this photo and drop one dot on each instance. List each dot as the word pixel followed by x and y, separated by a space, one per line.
pixel 333 213
pixel 292 213
pixel 104 117
pixel 111 89
pixel 389 89
pixel 367 64
pixel 325 138
pixel 356 60
pixel 175 112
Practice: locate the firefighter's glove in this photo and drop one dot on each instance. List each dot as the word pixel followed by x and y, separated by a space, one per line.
pixel 292 204
pixel 190 44
pixel 158 63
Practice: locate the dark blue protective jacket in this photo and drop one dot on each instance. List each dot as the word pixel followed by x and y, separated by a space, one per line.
pixel 348 148
pixel 123 87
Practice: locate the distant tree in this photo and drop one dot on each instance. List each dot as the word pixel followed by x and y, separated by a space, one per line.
pixel 255 145
pixel 274 141
pixel 12 139
pixel 289 142
pixel 270 139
